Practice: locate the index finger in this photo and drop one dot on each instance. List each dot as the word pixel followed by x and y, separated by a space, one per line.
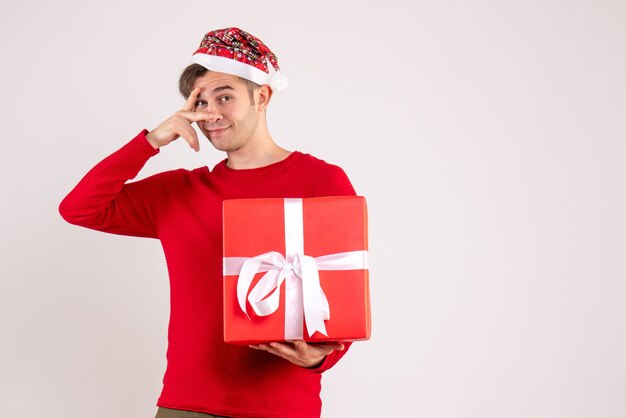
pixel 190 104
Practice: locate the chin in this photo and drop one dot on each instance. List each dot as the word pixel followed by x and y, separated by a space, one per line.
pixel 223 147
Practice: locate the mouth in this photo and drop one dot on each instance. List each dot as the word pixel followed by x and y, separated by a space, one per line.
pixel 217 132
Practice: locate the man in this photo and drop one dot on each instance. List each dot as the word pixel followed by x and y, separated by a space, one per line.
pixel 228 89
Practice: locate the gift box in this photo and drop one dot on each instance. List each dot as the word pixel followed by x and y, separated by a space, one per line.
pixel 296 269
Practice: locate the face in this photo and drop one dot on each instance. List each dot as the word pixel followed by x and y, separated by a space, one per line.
pixel 234 121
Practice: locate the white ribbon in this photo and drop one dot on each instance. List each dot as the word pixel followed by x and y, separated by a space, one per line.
pixel 304 295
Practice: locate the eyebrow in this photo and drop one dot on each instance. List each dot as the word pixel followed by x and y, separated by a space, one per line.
pixel 217 90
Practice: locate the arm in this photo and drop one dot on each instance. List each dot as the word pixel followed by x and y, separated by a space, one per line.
pixel 103 200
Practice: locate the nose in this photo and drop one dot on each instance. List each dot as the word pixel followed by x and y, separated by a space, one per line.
pixel 213 115
pixel 208 107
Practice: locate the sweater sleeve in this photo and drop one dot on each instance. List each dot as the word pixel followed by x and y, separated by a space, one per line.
pixel 333 181
pixel 104 201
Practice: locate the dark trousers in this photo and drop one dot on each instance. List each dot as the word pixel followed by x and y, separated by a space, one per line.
pixel 176 413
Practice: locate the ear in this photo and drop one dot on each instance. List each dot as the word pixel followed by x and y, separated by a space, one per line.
pixel 264 95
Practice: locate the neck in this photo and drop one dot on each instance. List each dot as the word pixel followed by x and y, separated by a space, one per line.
pixel 256 154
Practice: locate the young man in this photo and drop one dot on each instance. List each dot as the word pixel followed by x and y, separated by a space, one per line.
pixel 228 89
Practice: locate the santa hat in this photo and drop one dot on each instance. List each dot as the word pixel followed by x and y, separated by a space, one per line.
pixel 234 51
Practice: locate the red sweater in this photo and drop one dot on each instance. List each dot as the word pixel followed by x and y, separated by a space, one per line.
pixel 183 210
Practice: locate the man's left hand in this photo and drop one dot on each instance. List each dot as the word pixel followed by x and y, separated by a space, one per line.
pixel 300 353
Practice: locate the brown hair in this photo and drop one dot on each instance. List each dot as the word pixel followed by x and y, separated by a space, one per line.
pixel 194 71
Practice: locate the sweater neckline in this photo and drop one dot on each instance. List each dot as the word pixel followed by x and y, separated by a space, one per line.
pixel 222 165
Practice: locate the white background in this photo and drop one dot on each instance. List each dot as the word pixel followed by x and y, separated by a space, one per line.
pixel 488 136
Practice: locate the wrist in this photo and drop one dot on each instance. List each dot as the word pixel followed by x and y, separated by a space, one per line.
pixel 152 140
pixel 317 364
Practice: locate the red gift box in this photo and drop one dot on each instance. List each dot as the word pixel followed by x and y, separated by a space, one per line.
pixel 296 269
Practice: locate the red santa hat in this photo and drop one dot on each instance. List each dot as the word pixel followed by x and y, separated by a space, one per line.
pixel 234 51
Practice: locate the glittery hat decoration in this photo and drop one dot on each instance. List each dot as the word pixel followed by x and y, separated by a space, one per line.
pixel 234 51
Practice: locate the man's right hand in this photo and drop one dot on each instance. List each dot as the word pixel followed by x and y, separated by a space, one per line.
pixel 179 124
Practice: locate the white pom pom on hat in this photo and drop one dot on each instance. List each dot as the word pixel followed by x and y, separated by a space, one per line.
pixel 234 51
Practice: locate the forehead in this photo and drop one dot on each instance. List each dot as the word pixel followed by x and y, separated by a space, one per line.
pixel 212 80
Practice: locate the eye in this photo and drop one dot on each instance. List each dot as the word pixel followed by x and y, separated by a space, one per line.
pixel 200 103
pixel 224 99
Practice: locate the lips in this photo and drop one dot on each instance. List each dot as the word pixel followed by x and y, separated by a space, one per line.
pixel 216 132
